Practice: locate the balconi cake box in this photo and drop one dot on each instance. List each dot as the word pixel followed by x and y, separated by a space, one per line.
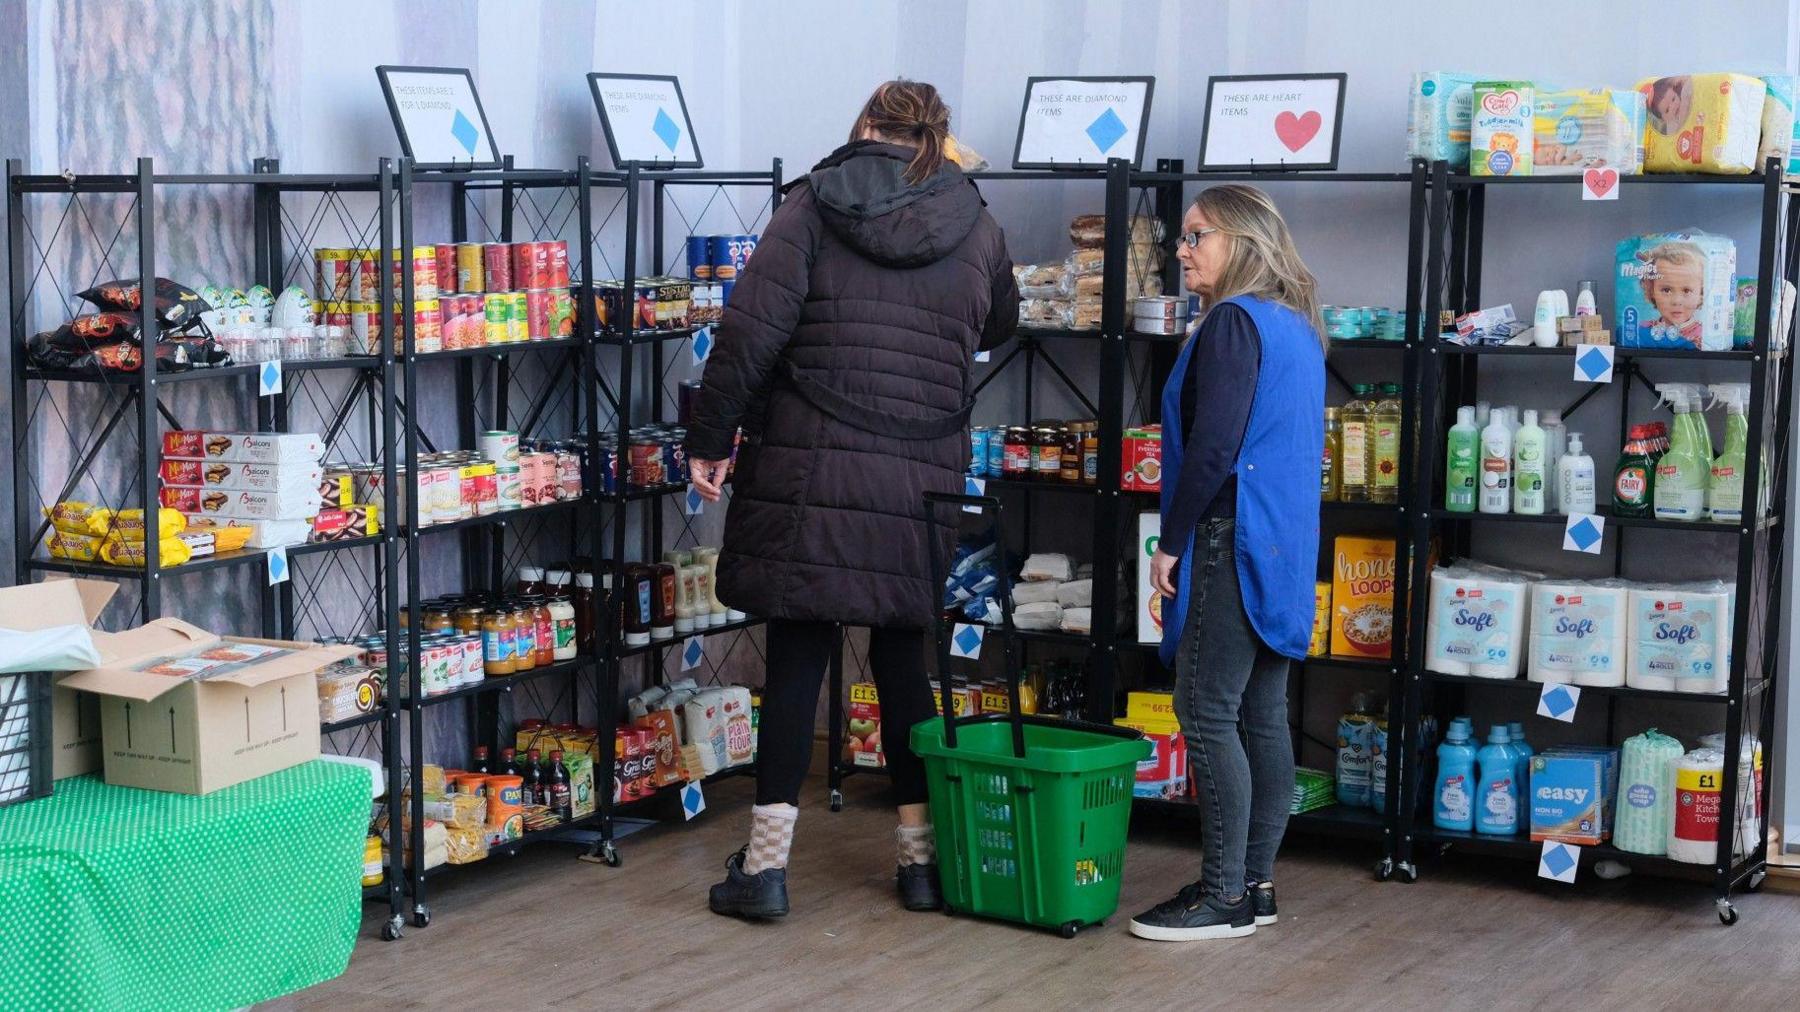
pixel 244 447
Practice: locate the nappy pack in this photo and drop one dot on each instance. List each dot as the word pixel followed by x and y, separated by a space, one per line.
pixel 1437 117
pixel 1590 128
pixel 1680 637
pixel 1703 123
pixel 1578 633
pixel 1676 290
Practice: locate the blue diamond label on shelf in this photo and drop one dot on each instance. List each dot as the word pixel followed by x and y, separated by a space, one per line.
pixel 463 130
pixel 1584 532
pixel 1558 861
pixel 702 345
pixel 973 486
pixel 983 356
pixel 268 378
pixel 1558 702
pixel 278 566
pixel 665 129
pixel 693 652
pixel 693 801
pixel 1594 364
pixel 693 503
pixel 965 641
pixel 1105 130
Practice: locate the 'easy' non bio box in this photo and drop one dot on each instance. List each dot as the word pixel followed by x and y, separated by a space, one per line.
pixel 1572 792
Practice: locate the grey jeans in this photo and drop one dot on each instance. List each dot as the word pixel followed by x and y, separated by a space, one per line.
pixel 1224 675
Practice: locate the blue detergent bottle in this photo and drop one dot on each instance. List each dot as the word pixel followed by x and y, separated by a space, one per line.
pixel 1453 797
pixel 1516 731
pixel 1497 806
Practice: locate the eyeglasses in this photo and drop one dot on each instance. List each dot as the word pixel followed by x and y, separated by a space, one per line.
pixel 1192 239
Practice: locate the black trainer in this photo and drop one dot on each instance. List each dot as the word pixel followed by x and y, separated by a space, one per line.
pixel 1262 900
pixel 1191 915
pixel 919 887
pixel 752 897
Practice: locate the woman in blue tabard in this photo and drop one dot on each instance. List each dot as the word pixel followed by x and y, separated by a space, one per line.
pixel 1243 432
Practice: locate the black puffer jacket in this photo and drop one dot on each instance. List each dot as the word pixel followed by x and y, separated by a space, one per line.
pixel 844 355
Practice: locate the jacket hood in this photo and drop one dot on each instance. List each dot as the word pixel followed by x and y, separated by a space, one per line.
pixel 863 199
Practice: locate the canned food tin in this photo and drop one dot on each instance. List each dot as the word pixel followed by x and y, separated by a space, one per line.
pixel 996 452
pixel 428 331
pixel 487 492
pixel 422 262
pixel 699 258
pixel 434 668
pixel 524 265
pixel 530 475
pixel 518 319
pixel 609 469
pixel 541 480
pixel 446 493
pixel 644 301
pixel 979 440
pixel 444 263
pixel 334 274
pixel 335 314
pixel 718 251
pixel 424 486
pixel 365 270
pixel 675 462
pixel 646 463
pixel 450 322
pixel 496 324
pixel 562 313
pixel 496 267
pixel 568 473
pixel 467 491
pixel 500 446
pixel 741 248
pixel 559 264
pixel 474 666
pixel 365 327
pixel 469 274
pixel 508 488
pixel 539 304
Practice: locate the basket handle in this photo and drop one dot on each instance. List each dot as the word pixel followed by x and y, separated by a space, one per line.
pixel 987 505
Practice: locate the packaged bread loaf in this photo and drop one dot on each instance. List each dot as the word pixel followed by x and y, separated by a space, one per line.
pixel 1089 230
pixel 1057 314
pixel 1086 314
pixel 1039 281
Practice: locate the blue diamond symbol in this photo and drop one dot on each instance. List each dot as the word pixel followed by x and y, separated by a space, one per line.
pixel 1583 533
pixel 692 653
pixel 694 502
pixel 968 639
pixel 277 566
pixel 1105 130
pixel 1557 701
pixel 1558 860
pixel 703 342
pixel 665 129
pixel 270 373
pixel 464 132
pixel 1593 363
pixel 692 801
pixel 970 486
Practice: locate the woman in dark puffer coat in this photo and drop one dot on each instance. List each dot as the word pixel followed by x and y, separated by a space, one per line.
pixel 844 356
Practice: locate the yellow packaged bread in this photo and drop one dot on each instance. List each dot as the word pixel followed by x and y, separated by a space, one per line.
pixel 170 552
pixel 129 524
pixel 72 516
pixel 1702 123
pixel 74 547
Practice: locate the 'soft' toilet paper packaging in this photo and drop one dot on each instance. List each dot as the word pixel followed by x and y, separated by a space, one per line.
pixel 1680 638
pixel 1476 625
pixel 1578 633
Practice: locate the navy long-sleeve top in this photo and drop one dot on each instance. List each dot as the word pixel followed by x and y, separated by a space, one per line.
pixel 1216 396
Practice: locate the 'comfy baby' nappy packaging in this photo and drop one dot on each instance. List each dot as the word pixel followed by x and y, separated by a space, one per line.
pixel 1702 123
pixel 1591 128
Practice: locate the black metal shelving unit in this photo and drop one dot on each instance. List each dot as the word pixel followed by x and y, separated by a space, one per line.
pixel 1448 376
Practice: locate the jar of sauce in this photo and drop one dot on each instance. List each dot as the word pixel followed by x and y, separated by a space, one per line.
pixel 1046 449
pixel 439 620
pixel 639 596
pixel 662 602
pixel 1071 454
pixel 582 602
pixel 499 641
pixel 1090 453
pixel 564 631
pixel 1016 461
pixel 545 638
pixel 531 581
pixel 468 619
pixel 524 637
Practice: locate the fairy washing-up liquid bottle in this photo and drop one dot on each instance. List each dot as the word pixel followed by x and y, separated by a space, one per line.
pixel 1453 797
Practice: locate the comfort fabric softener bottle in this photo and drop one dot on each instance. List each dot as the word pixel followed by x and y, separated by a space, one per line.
pixel 1453 799
pixel 1497 811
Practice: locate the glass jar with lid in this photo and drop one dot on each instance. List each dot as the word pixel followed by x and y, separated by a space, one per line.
pixel 499 640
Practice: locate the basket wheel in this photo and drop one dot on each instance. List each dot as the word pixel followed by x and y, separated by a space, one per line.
pixel 1069 929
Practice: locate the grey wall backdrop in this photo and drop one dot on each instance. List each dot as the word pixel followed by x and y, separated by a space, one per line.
pixel 207 85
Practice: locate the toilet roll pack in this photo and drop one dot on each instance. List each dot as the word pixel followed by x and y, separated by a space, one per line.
pixel 1578 632
pixel 1680 637
pixel 1477 620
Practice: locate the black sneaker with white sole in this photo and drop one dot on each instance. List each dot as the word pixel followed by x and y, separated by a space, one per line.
pixel 1191 916
pixel 1262 900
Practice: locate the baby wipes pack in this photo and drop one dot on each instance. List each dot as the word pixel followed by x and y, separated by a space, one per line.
pixel 1500 129
pixel 1437 117
pixel 1780 131
pixel 1702 122
pixel 1680 638
pixel 1586 129
pixel 1676 290
pixel 1572 794
pixel 1476 624
pixel 1578 633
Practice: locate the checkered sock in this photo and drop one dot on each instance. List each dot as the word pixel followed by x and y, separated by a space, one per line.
pixel 771 835
pixel 916 844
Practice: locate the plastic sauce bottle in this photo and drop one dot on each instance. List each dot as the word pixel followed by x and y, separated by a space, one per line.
pixel 1462 462
pixel 1497 812
pixel 1528 467
pixel 1453 797
pixel 1384 445
pixel 1575 479
pixel 1353 423
pixel 1331 476
pixel 1496 464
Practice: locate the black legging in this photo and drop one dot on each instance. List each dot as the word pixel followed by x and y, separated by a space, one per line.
pixel 799 653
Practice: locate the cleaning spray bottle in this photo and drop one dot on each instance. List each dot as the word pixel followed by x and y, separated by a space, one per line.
pixel 1684 472
pixel 1453 797
pixel 1497 807
pixel 1462 463
pixel 1725 493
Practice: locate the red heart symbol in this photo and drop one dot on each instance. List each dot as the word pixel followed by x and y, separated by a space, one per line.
pixel 1601 181
pixel 1294 131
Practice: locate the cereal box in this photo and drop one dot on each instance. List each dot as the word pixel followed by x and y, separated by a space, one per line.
pixel 1321 634
pixel 1362 596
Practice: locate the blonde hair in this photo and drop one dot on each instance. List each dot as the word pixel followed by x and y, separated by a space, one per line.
pixel 1676 253
pixel 1262 260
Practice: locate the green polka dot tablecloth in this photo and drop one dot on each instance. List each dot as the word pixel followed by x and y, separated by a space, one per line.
pixel 119 898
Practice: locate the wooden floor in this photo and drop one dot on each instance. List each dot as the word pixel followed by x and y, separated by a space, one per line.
pixel 549 931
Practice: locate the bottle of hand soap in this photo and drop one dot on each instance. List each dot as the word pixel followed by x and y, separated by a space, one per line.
pixel 1575 479
pixel 1496 464
pixel 1528 467
pixel 1462 462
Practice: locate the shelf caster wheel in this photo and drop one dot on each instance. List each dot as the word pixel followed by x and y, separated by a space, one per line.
pixel 1406 872
pixel 949 911
pixel 1384 869
pixel 837 801
pixel 1728 914
pixel 392 928
pixel 421 917
pixel 1755 884
pixel 1070 929
pixel 609 852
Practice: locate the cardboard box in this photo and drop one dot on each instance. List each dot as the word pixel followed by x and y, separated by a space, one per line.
pixel 252 711
pixel 74 716
pixel 1164 774
pixel 862 727
pixel 1153 707
pixel 245 447
pixel 581 784
pixel 294 503
pixel 253 477
pixel 1362 596
pixel 1140 459
pixel 1572 792
pixel 1149 602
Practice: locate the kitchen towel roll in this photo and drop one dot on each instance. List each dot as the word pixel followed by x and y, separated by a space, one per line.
pixel 1578 633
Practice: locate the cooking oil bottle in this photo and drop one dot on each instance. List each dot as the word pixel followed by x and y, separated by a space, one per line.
pixel 1354 445
pixel 1331 470
pixel 1384 445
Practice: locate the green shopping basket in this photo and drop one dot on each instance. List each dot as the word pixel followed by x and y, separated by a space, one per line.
pixel 1031 812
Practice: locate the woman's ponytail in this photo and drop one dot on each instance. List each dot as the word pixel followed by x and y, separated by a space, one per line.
pixel 910 113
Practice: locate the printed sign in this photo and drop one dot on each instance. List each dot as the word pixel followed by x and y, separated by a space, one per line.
pixel 1600 184
pixel 693 801
pixel 1594 363
pixel 1584 532
pixel 646 120
pixel 438 115
pixel 974 486
pixel 277 561
pixel 1558 702
pixel 693 652
pixel 1070 122
pixel 268 378
pixel 965 641
pixel 1272 121
pixel 1558 861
